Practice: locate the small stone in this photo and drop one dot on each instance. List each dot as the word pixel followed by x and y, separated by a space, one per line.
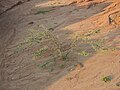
pixel 118 84
pixel 31 23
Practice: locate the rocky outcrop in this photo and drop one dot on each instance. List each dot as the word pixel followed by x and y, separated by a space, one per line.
pixel 6 5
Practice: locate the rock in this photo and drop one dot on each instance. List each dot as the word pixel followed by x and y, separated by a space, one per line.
pixel 6 5
pixel 114 18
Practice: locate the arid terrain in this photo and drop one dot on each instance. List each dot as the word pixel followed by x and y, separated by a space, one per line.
pixel 59 45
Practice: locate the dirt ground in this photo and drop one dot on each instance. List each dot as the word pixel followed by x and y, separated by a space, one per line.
pixel 65 18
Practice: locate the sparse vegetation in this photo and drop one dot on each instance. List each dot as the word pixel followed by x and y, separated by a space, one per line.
pixel 57 49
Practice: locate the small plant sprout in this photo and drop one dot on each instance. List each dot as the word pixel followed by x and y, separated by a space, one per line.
pixel 84 53
pixel 106 79
pixel 69 78
pixel 62 65
pixel 44 64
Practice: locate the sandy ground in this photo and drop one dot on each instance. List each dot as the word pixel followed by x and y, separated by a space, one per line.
pixel 20 71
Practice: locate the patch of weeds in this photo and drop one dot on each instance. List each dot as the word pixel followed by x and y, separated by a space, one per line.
pixel 106 50
pixel 18 48
pixel 50 70
pixel 40 51
pixel 62 65
pixel 97 44
pixel 58 46
pixel 86 36
pixel 84 53
pixel 35 36
pixel 106 79
pixel 44 64
pixel 34 39
pixel 90 33
pixel 21 46
pixel 114 48
pixel 47 64
pixel 42 11
pixel 55 3
pixel 69 78
pixel 96 31
pixel 63 55
pixel 110 48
